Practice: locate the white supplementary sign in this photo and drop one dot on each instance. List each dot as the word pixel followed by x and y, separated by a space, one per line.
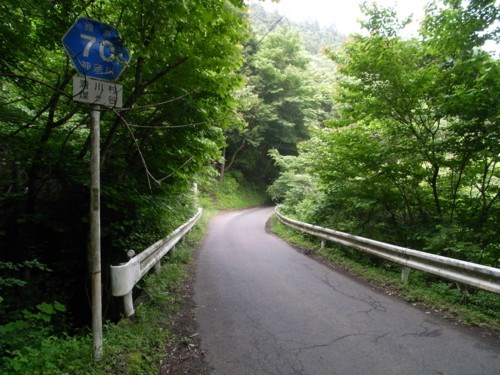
pixel 93 91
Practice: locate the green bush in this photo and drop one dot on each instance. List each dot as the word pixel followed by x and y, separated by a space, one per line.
pixel 133 346
pixel 32 329
pixel 53 355
pixel 233 193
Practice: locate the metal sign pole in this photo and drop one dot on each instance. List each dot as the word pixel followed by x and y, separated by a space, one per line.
pixel 95 231
pixel 93 46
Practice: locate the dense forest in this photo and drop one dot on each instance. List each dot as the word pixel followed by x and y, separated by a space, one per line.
pixel 391 138
pixel 288 91
pixel 178 100
pixel 192 112
pixel 410 155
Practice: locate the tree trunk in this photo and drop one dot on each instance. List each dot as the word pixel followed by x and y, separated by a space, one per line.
pixel 222 166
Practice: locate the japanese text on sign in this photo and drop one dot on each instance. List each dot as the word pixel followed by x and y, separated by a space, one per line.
pixel 93 91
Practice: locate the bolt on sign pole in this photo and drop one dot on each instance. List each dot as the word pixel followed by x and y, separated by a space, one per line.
pixel 99 56
pixel 95 230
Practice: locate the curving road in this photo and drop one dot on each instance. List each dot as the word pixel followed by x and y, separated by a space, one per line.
pixel 264 308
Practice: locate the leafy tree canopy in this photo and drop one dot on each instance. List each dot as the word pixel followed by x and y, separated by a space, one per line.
pixel 178 97
pixel 411 155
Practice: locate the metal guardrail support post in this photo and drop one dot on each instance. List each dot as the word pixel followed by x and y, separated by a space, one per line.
pixel 128 304
pixel 128 301
pixel 322 244
pixel 405 273
pixel 157 266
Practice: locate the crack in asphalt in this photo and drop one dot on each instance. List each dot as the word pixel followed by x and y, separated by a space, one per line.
pixel 307 266
pixel 272 358
pixel 329 343
pixel 276 360
pixel 299 351
pixel 374 304
pixel 382 336
pixel 369 300
pixel 427 332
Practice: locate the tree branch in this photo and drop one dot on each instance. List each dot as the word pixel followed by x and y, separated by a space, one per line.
pixel 138 91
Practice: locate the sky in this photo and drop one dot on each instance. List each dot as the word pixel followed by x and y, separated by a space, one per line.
pixel 342 13
pixel 345 14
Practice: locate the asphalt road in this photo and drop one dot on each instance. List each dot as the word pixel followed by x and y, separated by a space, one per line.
pixel 265 308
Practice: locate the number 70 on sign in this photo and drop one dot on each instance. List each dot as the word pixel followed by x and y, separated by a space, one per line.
pixel 103 46
pixel 96 49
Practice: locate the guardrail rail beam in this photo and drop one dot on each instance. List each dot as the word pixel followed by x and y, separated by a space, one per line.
pixel 477 275
pixel 125 276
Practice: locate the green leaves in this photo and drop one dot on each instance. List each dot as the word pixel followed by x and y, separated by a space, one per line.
pixel 45 312
pixel 178 97
pixel 412 155
pixel 278 104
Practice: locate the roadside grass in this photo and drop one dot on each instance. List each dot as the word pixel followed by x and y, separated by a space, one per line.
pixel 133 346
pixel 455 302
pixel 137 345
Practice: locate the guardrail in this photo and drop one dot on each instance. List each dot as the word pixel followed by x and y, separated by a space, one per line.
pixel 479 276
pixel 125 276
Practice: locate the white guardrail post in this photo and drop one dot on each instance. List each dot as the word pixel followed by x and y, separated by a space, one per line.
pixel 125 276
pixel 477 275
